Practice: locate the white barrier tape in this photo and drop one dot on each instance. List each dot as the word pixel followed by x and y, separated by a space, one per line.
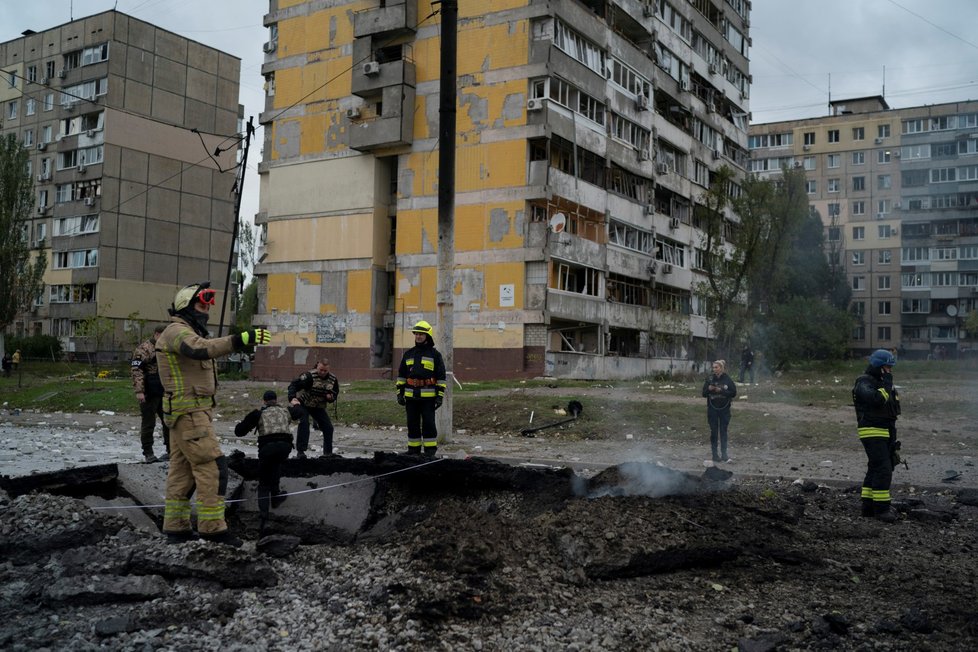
pixel 294 493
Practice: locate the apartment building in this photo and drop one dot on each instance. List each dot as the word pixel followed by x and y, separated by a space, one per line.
pixel 130 202
pixel 587 131
pixel 895 189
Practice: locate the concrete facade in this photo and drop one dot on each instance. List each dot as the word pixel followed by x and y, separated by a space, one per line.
pixel 130 203
pixel 895 189
pixel 586 131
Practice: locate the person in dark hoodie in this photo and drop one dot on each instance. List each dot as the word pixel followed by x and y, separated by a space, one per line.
pixel 421 389
pixel 719 390
pixel 877 408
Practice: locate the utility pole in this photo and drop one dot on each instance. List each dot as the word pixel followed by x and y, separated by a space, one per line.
pixel 239 189
pixel 446 207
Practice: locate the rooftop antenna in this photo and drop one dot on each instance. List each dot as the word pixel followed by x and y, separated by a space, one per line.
pixel 71 10
pixel 884 81
pixel 830 93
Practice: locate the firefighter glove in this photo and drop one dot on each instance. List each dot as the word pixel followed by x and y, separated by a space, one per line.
pixel 400 398
pixel 255 336
pixel 438 402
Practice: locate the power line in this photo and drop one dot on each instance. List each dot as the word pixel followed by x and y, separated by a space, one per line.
pixel 932 24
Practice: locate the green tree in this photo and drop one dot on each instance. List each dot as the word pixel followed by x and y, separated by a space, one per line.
pixel 247 308
pixel 95 327
pixel 21 269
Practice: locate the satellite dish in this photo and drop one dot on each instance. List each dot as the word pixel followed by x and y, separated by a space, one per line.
pixel 558 222
pixel 951 310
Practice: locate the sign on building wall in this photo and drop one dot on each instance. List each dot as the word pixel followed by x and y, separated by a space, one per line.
pixel 507 295
pixel 330 329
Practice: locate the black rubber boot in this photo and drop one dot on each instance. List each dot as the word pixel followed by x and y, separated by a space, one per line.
pixel 181 537
pixel 414 450
pixel 264 499
pixel 885 513
pixel 430 451
pixel 278 498
pixel 869 510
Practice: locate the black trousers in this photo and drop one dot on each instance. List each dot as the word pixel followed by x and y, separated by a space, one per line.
pixel 719 420
pixel 150 410
pixel 321 417
pixel 270 458
pixel 421 424
pixel 879 469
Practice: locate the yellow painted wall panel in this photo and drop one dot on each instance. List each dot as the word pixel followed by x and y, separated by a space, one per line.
pixel 488 337
pixel 491 165
pixel 504 274
pixel 313 128
pixel 476 230
pixel 359 290
pixel 482 48
pixel 281 292
pixel 417 231
pixel 415 290
pixel 339 237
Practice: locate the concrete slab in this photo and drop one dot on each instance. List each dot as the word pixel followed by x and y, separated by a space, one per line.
pixel 342 507
pixel 128 509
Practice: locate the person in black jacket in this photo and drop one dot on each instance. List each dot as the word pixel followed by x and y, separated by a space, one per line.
pixel 421 389
pixel 309 394
pixel 718 390
pixel 274 445
pixel 877 408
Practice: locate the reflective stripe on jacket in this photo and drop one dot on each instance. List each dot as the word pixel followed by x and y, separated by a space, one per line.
pixel 421 373
pixel 187 370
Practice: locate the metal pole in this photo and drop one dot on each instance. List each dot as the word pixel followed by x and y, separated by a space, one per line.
pixel 446 206
pixel 249 131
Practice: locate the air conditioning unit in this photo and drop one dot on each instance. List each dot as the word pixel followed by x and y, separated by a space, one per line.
pixel 534 104
pixel 716 154
pixel 70 107
pixel 81 168
pixel 89 201
pixel 807 148
pixel 880 216
pixel 879 140
pixel 269 47
pixel 353 113
pixel 643 155
pixel 42 146
pixel 897 204
pixel 673 222
pixel 41 210
pixel 894 232
pixel 662 168
pixel 44 176
pixel 667 269
pixel 714 69
pixel 647 11
pixel 642 103
pixel 371 68
pixel 90 133
pixel 683 85
pixel 62 73
pixel 649 209
pixel 896 153
pixel 44 81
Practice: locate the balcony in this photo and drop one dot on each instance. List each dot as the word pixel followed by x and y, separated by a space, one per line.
pixel 396 18
pixel 371 78
pixel 393 128
pixel 575 306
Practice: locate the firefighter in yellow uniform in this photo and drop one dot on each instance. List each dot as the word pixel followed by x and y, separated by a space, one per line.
pixel 421 388
pixel 185 355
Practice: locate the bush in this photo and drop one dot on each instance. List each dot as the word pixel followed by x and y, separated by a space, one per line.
pixel 38 347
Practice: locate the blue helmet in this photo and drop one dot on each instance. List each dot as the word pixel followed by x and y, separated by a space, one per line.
pixel 881 358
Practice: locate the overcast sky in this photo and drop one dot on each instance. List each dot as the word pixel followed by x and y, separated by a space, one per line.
pixel 925 45
pixel 929 49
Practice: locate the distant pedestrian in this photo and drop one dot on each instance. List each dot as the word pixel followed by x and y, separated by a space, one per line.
pixel 7 364
pixel 719 390
pixel 746 364
pixel 149 392
pixel 15 361
pixel 309 394
pixel 274 445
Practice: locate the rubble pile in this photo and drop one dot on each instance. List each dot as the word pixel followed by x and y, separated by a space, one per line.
pixel 473 554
